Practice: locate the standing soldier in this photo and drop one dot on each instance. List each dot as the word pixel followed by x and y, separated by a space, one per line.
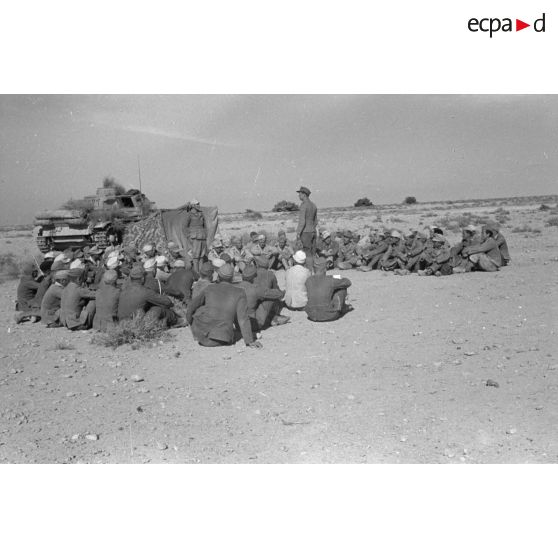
pixel 194 227
pixel 307 221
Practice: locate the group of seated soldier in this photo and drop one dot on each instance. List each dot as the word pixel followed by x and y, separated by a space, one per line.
pixel 87 287
pixel 424 253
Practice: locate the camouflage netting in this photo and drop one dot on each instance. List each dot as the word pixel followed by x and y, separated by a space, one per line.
pixel 166 225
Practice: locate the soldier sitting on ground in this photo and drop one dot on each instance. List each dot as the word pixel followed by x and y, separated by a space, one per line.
pixel 268 311
pixel 501 242
pixel 296 296
pixel 395 256
pixel 106 302
pixel 26 291
pixel 326 294
pixel 371 257
pixel 328 248
pixel 77 304
pixel 484 256
pixel 206 278
pixel 468 238
pixel 438 259
pixel 213 314
pixel 136 299
pixel 347 258
pixel 283 253
pixel 50 305
pixel 180 281
pixel 414 254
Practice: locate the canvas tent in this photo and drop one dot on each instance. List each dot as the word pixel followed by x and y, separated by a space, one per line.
pixel 168 224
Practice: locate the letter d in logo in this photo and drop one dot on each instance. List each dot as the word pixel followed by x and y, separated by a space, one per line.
pixel 539 24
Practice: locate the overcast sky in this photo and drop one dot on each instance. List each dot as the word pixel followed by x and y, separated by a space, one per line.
pixel 238 151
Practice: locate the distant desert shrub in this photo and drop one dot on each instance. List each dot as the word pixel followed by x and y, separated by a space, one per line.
pixel 363 202
pixel 252 215
pixel 136 332
pixel 285 205
pixel 544 207
pixel 552 222
pixel 397 220
pixel 410 200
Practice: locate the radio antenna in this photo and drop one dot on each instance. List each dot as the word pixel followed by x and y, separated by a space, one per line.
pixel 139 173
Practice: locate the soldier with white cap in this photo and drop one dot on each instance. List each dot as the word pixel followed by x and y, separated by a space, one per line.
pixel 162 265
pixel 148 251
pixel 194 228
pixel 296 295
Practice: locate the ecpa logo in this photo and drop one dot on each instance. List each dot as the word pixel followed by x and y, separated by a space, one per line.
pixel 492 25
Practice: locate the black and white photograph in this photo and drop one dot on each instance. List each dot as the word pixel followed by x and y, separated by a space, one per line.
pixel 279 278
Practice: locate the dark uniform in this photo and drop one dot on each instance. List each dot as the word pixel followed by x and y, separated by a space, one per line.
pixel 179 284
pixel 50 305
pixel 76 308
pixel 194 228
pixel 326 297
pixel 213 313
pixel 106 311
pixel 136 298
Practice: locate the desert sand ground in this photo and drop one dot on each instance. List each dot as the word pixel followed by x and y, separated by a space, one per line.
pixel 401 379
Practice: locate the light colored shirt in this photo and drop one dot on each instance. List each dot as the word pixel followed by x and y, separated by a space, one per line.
pixel 295 279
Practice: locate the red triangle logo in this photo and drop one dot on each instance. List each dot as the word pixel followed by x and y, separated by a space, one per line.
pixel 519 25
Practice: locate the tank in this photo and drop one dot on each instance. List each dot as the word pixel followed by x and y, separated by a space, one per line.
pixel 90 220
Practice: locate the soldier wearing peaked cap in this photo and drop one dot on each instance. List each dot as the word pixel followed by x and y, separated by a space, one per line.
pixel 195 231
pixel 307 223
